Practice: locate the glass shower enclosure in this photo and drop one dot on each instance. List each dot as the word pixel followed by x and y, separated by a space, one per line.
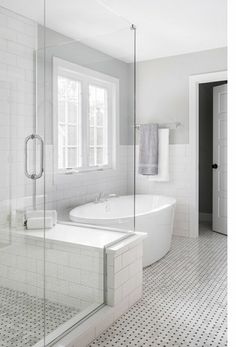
pixel 67 116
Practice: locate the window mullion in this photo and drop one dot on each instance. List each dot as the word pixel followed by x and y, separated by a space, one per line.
pixel 79 132
pixel 66 131
pixel 107 135
pixel 85 123
pixel 95 139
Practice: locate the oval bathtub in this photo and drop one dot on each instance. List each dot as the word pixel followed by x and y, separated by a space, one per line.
pixel 154 216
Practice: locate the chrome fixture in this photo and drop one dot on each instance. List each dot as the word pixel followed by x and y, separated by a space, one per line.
pixel 33 176
pixel 174 125
pixel 102 197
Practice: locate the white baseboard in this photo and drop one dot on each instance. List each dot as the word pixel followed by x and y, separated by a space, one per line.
pixel 205 217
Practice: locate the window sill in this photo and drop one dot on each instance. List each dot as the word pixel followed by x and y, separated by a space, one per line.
pixel 82 171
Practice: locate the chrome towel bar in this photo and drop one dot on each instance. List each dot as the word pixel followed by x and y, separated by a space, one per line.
pixel 174 125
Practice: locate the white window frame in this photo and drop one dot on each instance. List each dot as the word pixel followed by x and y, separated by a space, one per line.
pixel 87 76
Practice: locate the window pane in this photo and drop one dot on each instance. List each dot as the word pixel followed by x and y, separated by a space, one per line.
pixel 100 95
pixel 92 93
pixel 99 116
pixel 100 137
pixel 61 158
pixel 72 157
pixel 98 106
pixel 69 113
pixel 61 87
pixel 61 135
pixel 72 89
pixel 91 118
pixel 72 135
pixel 62 111
pixel 91 157
pixel 61 146
pixel 91 137
pixel 100 156
pixel 72 112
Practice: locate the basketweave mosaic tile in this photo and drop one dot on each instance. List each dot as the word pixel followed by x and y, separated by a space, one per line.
pixel 184 299
pixel 22 318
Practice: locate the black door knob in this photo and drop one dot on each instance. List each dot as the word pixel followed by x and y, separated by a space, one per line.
pixel 214 166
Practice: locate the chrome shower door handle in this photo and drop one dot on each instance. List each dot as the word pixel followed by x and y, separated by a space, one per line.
pixel 34 176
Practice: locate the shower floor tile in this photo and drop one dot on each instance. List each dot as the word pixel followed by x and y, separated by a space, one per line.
pixel 22 318
pixel 184 299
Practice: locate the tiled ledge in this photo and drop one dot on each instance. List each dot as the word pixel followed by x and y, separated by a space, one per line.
pixel 124 288
pixel 124 245
pixel 124 268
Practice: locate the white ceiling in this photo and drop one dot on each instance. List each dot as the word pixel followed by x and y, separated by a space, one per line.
pixel 164 27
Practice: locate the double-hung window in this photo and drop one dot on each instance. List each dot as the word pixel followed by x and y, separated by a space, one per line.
pixel 85 117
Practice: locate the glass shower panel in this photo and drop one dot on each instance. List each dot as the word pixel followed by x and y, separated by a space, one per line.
pixel 67 106
pixel 88 128
pixel 21 256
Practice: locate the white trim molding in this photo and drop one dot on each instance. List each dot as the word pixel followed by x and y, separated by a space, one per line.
pixel 194 82
pixel 86 78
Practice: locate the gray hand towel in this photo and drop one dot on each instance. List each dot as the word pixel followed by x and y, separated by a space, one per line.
pixel 148 149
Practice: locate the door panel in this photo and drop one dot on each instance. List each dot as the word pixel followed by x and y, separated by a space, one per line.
pixel 22 318
pixel 220 158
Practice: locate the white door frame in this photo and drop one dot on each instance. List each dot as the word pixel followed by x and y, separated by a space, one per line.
pixel 194 82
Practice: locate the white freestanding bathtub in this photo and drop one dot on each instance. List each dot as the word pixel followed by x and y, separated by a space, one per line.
pixel 154 214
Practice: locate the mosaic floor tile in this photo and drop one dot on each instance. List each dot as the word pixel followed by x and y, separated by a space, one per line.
pixel 184 299
pixel 22 318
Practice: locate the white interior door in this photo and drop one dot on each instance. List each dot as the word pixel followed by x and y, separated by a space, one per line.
pixel 219 166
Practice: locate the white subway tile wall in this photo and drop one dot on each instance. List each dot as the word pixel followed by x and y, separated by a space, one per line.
pixel 73 273
pixel 124 270
pixel 18 41
pixel 178 186
pixel 63 192
pixel 122 258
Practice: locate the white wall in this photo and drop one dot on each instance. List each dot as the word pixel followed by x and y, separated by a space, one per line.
pixel 162 97
pixel 162 87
